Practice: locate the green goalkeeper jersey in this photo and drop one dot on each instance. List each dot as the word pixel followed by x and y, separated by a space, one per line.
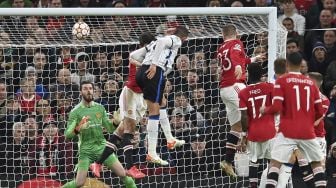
pixel 90 135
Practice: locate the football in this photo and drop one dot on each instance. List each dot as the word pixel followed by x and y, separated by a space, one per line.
pixel 80 30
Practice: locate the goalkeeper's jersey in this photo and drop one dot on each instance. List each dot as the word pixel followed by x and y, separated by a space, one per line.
pixel 91 134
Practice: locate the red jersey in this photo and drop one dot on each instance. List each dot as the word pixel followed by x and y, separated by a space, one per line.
pixel 251 98
pixel 131 82
pixel 28 105
pixel 303 6
pixel 298 100
pixel 231 54
pixel 319 129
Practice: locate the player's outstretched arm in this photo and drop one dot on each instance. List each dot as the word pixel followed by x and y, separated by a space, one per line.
pixel 71 125
pixel 137 56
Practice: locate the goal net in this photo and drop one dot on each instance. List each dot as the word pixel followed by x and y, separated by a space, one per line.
pixel 42 65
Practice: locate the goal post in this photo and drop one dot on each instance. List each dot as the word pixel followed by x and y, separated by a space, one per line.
pixel 37 45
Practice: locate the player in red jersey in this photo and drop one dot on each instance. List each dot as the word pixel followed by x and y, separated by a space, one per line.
pixel 132 108
pixel 297 99
pixel 259 129
pixel 233 61
pixel 319 124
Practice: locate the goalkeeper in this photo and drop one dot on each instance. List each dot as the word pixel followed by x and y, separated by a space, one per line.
pixel 86 121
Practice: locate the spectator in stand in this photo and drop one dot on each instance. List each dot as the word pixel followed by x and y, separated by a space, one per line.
pixel 260 50
pixel 64 103
pixel 100 67
pixel 292 46
pixel 330 5
pixel 288 23
pixel 119 66
pixel 199 63
pixel 330 77
pixel 31 75
pixel 182 105
pixel 288 7
pixel 329 40
pixel 213 3
pixel 236 4
pixel 312 15
pixel 64 60
pixel 214 72
pixel 31 25
pixel 43 112
pixel 13 114
pixel 200 102
pixel 31 128
pixel 261 3
pixel 27 97
pixel 313 36
pixel 331 114
pixel 318 62
pixel 169 95
pixel 81 72
pixel 192 81
pixel 97 95
pixel 179 78
pixel 331 165
pixel 85 3
pixel 304 67
pixel 64 84
pixel 170 23
pixel 14 153
pixel 51 156
pixel 111 92
pixel 16 4
pixel 302 7
pixel 45 71
pixel 262 40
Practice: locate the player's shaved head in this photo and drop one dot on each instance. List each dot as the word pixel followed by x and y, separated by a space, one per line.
pixel 294 59
pixel 317 77
pixel 254 72
pixel 229 30
pixel 146 38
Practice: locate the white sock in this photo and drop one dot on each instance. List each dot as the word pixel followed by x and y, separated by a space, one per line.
pixel 165 125
pixel 153 132
pixel 284 175
pixel 263 178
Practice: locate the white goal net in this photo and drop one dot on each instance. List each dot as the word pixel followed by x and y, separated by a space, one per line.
pixel 42 65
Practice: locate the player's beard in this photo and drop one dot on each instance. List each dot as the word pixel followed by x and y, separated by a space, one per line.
pixel 88 97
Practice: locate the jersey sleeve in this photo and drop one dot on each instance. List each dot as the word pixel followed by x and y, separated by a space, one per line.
pixel 319 111
pixel 106 122
pixel 242 101
pixel 71 125
pixel 277 100
pixel 139 54
pixel 238 55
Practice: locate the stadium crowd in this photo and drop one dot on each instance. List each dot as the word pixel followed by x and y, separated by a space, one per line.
pixel 40 83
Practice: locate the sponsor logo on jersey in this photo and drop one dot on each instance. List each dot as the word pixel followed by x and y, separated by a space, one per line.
pixel 237 47
pixel 98 115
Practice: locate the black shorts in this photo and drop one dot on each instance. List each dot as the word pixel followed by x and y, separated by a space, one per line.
pixel 152 88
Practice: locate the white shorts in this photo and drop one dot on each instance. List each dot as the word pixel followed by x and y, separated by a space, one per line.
pixel 230 98
pixel 132 104
pixel 323 144
pixel 260 150
pixel 284 147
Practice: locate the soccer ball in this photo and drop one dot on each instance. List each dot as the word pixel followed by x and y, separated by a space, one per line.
pixel 81 30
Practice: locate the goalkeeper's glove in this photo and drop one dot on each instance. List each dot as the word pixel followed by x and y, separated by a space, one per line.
pixel 117 117
pixel 82 123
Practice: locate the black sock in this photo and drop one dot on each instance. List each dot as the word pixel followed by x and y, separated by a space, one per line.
pixel 307 173
pixel 110 148
pixel 231 143
pixel 128 149
pixel 319 176
pixel 272 177
pixel 253 174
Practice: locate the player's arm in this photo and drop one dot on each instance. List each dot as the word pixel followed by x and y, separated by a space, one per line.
pixel 70 131
pixel 277 101
pixel 319 111
pixel 137 56
pixel 107 123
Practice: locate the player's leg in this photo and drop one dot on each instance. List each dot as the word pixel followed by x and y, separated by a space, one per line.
pixel 305 168
pixel 282 150
pixel 82 170
pixel 153 93
pixel 312 152
pixel 113 163
pixel 230 98
pixel 286 172
pixel 254 149
pixel 172 142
